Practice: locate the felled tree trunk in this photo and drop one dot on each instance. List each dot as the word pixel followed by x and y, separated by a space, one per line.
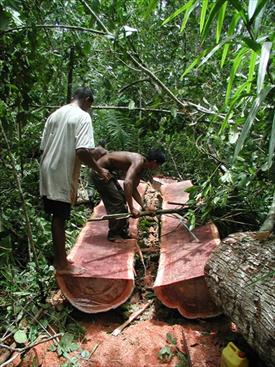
pixel 240 277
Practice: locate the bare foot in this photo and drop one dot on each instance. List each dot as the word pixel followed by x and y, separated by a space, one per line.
pixel 71 270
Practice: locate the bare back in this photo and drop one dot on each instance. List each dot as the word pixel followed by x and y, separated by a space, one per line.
pixel 129 162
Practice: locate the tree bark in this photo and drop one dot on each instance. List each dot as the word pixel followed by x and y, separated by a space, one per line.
pixel 240 277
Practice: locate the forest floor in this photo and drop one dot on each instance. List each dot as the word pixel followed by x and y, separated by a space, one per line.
pixel 159 336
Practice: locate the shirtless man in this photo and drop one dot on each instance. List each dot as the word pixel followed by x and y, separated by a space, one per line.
pixel 116 199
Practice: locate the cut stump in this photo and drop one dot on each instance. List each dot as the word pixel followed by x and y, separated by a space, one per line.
pixel 109 277
pixel 180 281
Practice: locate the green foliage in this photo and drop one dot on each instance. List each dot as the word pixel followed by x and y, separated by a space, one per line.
pixel 20 336
pixel 166 353
pixel 65 347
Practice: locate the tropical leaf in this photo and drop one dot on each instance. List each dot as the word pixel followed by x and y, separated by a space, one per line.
pixel 234 69
pixel 193 64
pixel 239 93
pixel 259 16
pixel 20 336
pixel 203 13
pixel 236 101
pixel 230 32
pixel 191 7
pixel 220 21
pixel 260 7
pixel 252 5
pixel 214 50
pixel 249 121
pixel 178 12
pixel 271 143
pixel 238 6
pixel 266 47
pixel 255 46
pixel 213 13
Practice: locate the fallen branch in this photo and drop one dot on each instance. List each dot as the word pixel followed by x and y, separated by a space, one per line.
pixel 119 108
pixel 22 350
pixel 15 355
pixel 142 214
pixel 4 356
pixel 56 26
pixel 118 330
pixel 141 258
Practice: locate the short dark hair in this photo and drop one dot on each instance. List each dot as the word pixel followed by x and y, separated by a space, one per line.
pixel 83 93
pixel 156 155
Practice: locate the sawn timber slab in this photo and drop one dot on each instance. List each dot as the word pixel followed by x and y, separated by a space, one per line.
pixel 109 278
pixel 180 281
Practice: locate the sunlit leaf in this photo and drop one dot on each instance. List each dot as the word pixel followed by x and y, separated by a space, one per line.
pixel 233 137
pixel 260 7
pixel 266 47
pixel 16 17
pixel 192 65
pixel 20 337
pixel 238 5
pixel 230 32
pixel 234 69
pixel 249 121
pixel 214 50
pixel 239 92
pixel 220 21
pixel 213 13
pixel 203 13
pixel 128 30
pixel 131 105
pixel 252 5
pixel 271 144
pixel 174 112
pixel 188 13
pixel 177 12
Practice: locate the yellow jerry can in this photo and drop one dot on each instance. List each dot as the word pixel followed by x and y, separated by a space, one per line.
pixel 233 357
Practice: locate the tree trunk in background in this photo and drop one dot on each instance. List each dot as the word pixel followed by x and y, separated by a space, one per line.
pixel 240 276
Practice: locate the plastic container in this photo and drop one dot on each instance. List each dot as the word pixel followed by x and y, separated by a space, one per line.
pixel 233 357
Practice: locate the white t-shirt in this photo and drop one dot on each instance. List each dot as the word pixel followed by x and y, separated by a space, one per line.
pixel 66 130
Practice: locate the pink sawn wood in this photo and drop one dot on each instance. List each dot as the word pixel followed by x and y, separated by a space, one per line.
pixel 180 279
pixel 109 278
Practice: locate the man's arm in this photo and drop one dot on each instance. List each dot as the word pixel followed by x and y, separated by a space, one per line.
pixel 86 156
pixel 137 197
pixel 130 186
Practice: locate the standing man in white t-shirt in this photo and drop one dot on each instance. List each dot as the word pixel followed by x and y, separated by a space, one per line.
pixel 67 141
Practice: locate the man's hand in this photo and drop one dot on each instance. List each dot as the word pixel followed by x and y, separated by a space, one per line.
pixel 151 209
pixel 135 213
pixel 104 174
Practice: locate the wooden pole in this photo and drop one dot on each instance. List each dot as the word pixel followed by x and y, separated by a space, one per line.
pixel 142 214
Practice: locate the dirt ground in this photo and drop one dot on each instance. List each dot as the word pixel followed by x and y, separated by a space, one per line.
pixel 148 341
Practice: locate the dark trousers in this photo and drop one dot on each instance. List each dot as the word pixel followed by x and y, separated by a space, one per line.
pixel 114 201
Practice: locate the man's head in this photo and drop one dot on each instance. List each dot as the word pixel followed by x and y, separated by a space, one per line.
pixel 154 159
pixel 84 97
